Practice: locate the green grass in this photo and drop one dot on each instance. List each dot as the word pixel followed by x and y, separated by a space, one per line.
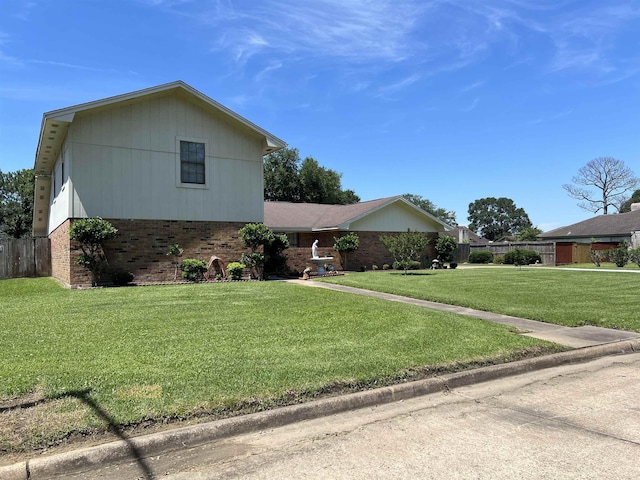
pixel 603 265
pixel 571 298
pixel 173 352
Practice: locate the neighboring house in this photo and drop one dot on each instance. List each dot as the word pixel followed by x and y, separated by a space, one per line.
pixel 574 242
pixel 464 235
pixel 164 165
pixel 306 222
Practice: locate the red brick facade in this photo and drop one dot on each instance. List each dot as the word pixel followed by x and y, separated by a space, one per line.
pixel 371 250
pixel 141 248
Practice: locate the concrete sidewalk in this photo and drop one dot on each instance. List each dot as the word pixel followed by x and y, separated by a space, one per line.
pixel 588 343
pixel 574 337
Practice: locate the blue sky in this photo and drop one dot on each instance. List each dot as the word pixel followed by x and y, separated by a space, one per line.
pixel 454 100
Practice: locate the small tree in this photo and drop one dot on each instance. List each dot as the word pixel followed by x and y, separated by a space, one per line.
pixel 406 247
pixel 275 260
pixel 519 258
pixel 620 255
pixel 445 246
pixel 596 256
pixel 175 251
pixel 346 244
pixel 90 233
pixel 255 236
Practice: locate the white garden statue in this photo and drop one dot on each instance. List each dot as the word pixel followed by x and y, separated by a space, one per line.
pixel 314 249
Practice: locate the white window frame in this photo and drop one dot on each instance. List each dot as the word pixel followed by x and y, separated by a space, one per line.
pixel 207 165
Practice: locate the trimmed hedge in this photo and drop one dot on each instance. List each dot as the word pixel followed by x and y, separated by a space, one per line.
pixel 529 256
pixel 480 256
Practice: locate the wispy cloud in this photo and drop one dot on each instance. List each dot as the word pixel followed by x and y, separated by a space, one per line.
pixel 357 30
pixel 398 86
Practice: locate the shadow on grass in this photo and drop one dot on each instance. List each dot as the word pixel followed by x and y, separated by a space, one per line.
pixel 414 273
pixel 136 453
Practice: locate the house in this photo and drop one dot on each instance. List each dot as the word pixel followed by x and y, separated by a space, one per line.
pixel 464 235
pixel 574 242
pixel 164 165
pixel 306 222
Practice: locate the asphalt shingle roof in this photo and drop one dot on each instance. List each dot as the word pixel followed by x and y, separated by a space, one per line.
pixel 314 216
pixel 602 225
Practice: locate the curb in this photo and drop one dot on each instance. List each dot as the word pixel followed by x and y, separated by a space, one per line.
pixel 188 437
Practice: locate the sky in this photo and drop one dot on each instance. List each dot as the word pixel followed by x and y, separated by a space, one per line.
pixel 452 100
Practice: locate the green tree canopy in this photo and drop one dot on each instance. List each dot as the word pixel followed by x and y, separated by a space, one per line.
pixel 447 216
pixel 288 179
pixel 16 203
pixel 626 205
pixel 528 234
pixel 281 181
pixel 497 217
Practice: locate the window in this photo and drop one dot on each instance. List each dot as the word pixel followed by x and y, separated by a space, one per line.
pixel 192 157
pixel 293 239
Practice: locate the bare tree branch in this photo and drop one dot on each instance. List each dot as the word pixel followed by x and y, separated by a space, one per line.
pixel 611 177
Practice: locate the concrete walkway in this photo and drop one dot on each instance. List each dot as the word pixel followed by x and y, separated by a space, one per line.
pixel 574 337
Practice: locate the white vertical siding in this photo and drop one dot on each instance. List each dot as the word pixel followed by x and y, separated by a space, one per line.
pixel 396 217
pixel 60 190
pixel 124 163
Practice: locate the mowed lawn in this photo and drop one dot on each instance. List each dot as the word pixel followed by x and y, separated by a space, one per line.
pixel 571 298
pixel 79 361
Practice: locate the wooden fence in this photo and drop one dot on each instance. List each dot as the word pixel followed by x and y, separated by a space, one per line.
pixel 25 257
pixel 547 250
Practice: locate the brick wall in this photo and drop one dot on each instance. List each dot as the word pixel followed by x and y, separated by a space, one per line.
pixel 141 248
pixel 371 250
pixel 60 253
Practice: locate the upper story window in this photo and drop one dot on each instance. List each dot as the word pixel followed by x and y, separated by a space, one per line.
pixel 192 162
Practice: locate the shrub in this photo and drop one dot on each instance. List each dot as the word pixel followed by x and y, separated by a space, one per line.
pixel 597 257
pixel 620 255
pixel 121 278
pixel 480 256
pixel 634 256
pixel 406 265
pixel 235 270
pixel 90 233
pixel 445 246
pixel 374 267
pixel 521 257
pixel 193 269
pixel 254 236
pixel 385 266
pixel 498 260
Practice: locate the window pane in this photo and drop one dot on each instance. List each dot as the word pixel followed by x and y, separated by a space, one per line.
pixel 192 162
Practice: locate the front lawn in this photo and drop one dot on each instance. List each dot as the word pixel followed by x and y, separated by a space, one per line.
pixel 571 298
pixel 75 361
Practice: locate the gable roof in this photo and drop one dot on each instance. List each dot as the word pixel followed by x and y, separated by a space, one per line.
pixel 56 122
pixel 314 217
pixel 619 224
pixel 55 125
